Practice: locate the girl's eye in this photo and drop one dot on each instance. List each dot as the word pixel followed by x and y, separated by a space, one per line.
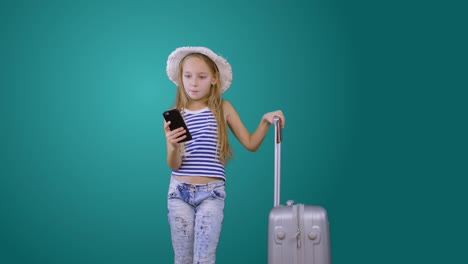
pixel 186 76
pixel 202 77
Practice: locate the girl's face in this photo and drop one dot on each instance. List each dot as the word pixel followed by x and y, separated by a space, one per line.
pixel 197 78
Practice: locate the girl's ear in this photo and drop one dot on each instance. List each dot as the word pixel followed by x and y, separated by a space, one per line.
pixel 213 80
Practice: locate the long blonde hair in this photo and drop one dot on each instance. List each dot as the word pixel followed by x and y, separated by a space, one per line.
pixel 214 102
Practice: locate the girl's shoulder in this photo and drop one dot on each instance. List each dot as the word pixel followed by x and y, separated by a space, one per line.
pixel 227 106
pixel 228 109
pixel 225 102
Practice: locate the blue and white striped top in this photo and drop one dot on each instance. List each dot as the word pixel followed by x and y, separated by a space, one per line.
pixel 200 157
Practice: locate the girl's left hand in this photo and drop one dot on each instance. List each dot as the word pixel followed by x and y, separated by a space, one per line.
pixel 269 117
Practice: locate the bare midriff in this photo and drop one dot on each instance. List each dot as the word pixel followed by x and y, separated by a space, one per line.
pixel 197 179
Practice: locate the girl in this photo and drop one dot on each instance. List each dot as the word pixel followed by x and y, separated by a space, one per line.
pixel 196 190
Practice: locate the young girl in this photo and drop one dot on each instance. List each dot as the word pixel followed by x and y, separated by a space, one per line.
pixel 196 190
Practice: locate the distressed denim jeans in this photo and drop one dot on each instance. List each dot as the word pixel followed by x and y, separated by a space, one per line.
pixel 195 214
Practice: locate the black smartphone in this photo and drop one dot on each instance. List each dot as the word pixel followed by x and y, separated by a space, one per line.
pixel 177 121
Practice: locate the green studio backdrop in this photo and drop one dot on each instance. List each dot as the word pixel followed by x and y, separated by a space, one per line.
pixel 375 130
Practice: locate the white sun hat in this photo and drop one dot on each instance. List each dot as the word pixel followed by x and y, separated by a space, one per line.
pixel 174 59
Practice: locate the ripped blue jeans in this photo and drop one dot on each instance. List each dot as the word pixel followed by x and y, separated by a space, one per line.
pixel 195 214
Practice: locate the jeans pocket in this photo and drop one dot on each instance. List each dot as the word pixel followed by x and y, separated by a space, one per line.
pixel 173 193
pixel 219 193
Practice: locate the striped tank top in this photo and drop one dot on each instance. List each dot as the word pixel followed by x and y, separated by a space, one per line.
pixel 200 157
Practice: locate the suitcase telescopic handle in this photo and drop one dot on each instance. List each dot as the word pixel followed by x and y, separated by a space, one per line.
pixel 278 139
pixel 277 121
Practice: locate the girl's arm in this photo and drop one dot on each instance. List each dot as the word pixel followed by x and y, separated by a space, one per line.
pixel 249 141
pixel 174 160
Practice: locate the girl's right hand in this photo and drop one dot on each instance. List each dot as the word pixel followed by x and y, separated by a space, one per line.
pixel 174 136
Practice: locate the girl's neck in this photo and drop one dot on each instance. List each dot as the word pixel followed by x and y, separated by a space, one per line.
pixel 196 105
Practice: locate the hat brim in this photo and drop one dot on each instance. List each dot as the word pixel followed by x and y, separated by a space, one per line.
pixel 174 59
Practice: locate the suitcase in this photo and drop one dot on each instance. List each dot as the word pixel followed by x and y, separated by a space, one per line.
pixel 297 233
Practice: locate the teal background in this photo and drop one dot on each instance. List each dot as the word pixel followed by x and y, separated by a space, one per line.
pixel 375 98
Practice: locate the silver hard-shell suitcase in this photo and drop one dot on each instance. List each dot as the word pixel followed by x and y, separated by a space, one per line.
pixel 297 233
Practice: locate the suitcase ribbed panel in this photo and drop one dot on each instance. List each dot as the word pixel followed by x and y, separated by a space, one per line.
pixel 314 242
